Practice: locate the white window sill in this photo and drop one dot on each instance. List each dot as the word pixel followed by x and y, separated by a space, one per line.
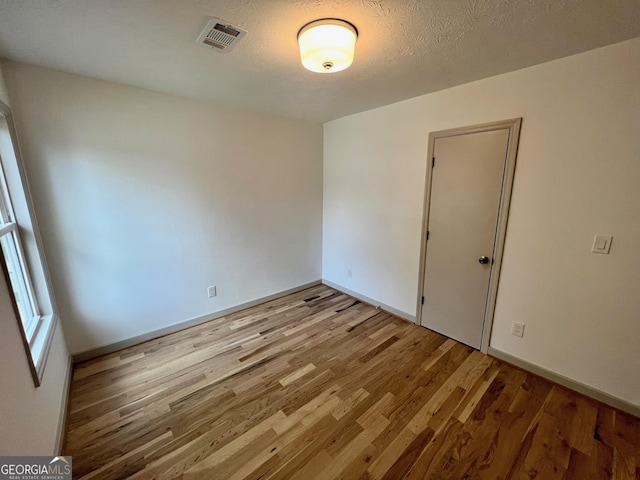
pixel 41 343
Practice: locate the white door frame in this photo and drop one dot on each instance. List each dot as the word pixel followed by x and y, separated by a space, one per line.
pixel 513 125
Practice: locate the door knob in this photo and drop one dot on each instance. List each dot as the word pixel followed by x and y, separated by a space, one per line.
pixel 483 260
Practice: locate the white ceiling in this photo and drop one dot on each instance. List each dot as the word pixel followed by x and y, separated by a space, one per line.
pixel 405 48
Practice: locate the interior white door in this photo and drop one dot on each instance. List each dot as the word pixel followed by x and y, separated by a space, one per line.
pixel 466 184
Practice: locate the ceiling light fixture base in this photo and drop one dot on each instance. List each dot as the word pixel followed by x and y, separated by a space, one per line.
pixel 327 45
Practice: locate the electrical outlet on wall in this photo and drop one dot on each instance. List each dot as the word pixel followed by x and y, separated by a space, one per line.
pixel 212 291
pixel 517 329
pixel 349 273
pixel 602 244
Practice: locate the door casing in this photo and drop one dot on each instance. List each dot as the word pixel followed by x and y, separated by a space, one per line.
pixel 513 125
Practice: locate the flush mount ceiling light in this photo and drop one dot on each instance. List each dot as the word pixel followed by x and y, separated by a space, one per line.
pixel 327 45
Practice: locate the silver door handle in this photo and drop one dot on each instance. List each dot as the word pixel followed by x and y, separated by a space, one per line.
pixel 483 260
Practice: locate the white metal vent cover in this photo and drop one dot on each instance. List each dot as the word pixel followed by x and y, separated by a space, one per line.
pixel 220 35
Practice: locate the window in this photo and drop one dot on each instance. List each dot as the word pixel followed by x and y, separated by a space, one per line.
pixel 15 263
pixel 21 254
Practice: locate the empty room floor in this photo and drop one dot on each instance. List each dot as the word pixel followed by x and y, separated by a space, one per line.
pixel 319 385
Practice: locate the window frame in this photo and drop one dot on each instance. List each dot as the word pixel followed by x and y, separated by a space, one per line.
pixel 30 316
pixel 38 330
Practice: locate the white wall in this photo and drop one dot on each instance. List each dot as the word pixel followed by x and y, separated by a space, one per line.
pixel 145 199
pixel 577 174
pixel 29 416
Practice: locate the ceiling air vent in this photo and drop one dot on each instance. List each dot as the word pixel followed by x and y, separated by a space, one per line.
pixel 220 35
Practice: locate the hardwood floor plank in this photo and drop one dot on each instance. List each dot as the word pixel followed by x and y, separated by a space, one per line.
pixel 392 453
pixel 318 463
pixel 320 385
pixel 301 372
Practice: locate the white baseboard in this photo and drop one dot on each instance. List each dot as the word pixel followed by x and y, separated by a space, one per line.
pixel 567 382
pixel 64 409
pixel 371 301
pixel 114 347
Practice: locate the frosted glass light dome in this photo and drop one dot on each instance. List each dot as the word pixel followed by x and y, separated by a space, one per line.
pixel 327 45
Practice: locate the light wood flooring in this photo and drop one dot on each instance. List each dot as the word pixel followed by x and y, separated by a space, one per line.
pixel 317 385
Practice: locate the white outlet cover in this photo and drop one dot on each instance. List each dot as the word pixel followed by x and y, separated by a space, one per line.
pixel 517 329
pixel 602 244
pixel 211 291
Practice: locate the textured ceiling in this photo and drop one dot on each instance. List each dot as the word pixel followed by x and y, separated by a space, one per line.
pixel 405 48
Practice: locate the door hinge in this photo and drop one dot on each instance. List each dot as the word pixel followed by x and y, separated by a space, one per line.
pixel 433 162
pixel 427 234
pixel 422 301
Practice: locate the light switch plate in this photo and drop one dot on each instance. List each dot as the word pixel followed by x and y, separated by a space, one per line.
pixel 602 244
